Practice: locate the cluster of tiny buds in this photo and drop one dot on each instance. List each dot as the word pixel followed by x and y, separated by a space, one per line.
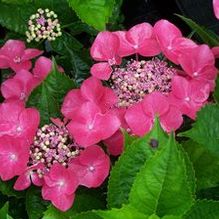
pixel 138 78
pixel 51 145
pixel 43 25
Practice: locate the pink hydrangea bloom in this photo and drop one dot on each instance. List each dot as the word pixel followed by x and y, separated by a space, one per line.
pixel 92 166
pixel 14 155
pixel 146 88
pixel 216 8
pixel 29 175
pixel 141 116
pixel 140 39
pixel 59 187
pixel 19 87
pixel 105 49
pixel 14 55
pixel 18 121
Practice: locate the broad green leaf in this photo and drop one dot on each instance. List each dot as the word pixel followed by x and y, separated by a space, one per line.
pixel 16 1
pixel 171 217
pixel 129 139
pixel 216 91
pixel 48 96
pixel 205 130
pixel 66 39
pixel 206 165
pixel 126 212
pixel 4 212
pixel 35 205
pixel 203 209
pixel 207 36
pixel 161 186
pixel 83 215
pixel 133 158
pixel 96 13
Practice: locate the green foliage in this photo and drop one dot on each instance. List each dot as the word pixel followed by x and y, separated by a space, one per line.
pixel 207 36
pixel 205 130
pixel 4 212
pixel 204 209
pixel 125 212
pixel 96 13
pixel 216 92
pixel 206 165
pixel 35 205
pixel 123 173
pixel 48 96
pixel 6 188
pixel 161 186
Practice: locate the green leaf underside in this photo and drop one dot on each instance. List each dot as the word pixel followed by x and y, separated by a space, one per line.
pixel 4 212
pixel 133 158
pixel 95 13
pixel 207 36
pixel 48 96
pixel 204 209
pixel 205 130
pixel 161 186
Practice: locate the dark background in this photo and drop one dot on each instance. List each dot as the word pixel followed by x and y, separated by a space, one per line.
pixel 201 11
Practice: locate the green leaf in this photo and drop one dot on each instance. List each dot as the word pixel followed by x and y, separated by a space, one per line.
pixel 4 212
pixel 216 91
pixel 161 186
pixel 126 212
pixel 83 215
pixel 206 165
pixel 96 13
pixel 204 209
pixel 35 205
pixel 48 96
pixel 129 139
pixel 6 188
pixel 16 1
pixel 207 36
pixel 205 130
pixel 133 158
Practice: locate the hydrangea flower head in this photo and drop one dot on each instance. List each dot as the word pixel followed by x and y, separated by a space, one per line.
pixel 43 25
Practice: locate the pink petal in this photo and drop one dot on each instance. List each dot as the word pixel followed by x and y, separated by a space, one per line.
pixel 13 48
pixel 180 87
pixel 20 66
pixel 42 68
pixel 22 182
pixel 155 104
pixel 216 8
pixel 137 120
pixel 92 166
pixel 31 53
pixel 101 70
pixel 92 89
pixel 166 32
pixel 72 101
pixel 149 47
pixel 139 33
pixel 4 61
pixel 105 46
pixel 171 120
pixel 215 51
pixel 125 47
pixel 115 143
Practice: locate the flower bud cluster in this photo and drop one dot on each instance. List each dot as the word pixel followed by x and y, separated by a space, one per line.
pixel 43 25
pixel 138 78
pixel 52 145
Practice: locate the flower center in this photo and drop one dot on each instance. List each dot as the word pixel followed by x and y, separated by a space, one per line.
pixel 139 78
pixel 17 59
pixel 51 145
